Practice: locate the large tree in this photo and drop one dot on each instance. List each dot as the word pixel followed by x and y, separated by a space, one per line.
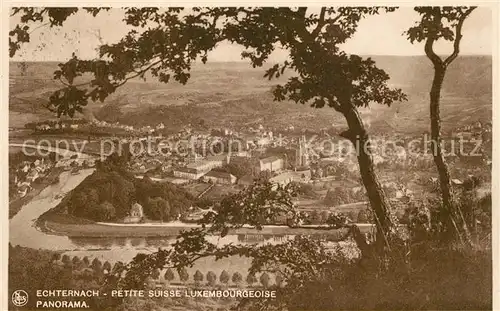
pixel 442 23
pixel 165 43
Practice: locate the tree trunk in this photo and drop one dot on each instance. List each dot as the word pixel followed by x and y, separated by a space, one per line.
pixel 450 214
pixel 358 136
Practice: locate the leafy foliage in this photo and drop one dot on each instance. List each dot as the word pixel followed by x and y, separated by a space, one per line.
pixel 264 279
pixel 251 279
pixel 224 277
pixel 183 274
pixel 437 22
pixel 338 196
pixel 169 275
pixel 442 23
pixel 198 276
pixel 108 194
pixel 33 270
pixel 211 278
pixel 325 76
pixel 239 168
pixel 237 278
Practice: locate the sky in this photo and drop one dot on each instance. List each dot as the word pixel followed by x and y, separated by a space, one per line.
pixel 376 35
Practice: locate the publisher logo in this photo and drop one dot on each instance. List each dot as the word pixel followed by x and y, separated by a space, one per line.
pixel 19 298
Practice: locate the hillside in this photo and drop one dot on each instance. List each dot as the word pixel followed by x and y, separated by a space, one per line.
pixel 234 94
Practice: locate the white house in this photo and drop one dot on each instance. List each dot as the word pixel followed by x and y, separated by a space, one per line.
pixel 23 190
pixel 136 214
pixel 220 177
pixel 32 175
pixel 272 164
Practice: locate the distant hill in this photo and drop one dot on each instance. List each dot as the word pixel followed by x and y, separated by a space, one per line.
pixel 234 94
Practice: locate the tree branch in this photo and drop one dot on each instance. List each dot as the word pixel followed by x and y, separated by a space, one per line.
pixel 429 51
pixel 140 72
pixel 321 23
pixel 458 37
pixel 334 104
pixel 73 85
pixel 40 26
pixel 429 43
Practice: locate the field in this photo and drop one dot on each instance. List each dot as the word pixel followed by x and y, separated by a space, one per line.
pixel 235 95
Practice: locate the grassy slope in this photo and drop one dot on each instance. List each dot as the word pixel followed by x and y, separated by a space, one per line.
pixel 234 94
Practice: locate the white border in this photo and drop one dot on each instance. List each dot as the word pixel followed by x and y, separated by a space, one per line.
pixel 4 112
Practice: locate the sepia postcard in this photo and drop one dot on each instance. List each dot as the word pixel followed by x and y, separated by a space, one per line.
pixel 218 158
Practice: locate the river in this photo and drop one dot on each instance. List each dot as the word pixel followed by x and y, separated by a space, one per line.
pixel 24 233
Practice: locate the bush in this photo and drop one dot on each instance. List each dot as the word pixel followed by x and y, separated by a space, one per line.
pixel 198 276
pixel 237 278
pixel 224 277
pixel 109 193
pixel 107 266
pixel 155 274
pixel 362 217
pixel 183 274
pixel 65 259
pixel 96 265
pixel 105 211
pixel 55 257
pixel 251 279
pixel 279 280
pixel 211 278
pixel 169 275
pixel 338 196
pixel 76 261
pixel 264 280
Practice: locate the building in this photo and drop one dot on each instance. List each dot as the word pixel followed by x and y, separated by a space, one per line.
pixel 188 173
pixel 271 164
pixel 263 141
pixel 301 156
pixel 221 159
pixel 206 165
pixel 23 190
pixel 220 177
pixel 32 175
pixel 197 169
pixel 305 174
pixel 136 214
pixel 288 177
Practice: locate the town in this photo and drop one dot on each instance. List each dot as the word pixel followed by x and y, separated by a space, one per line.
pixel 210 164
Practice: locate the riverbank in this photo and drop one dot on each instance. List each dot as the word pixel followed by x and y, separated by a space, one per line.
pixel 72 230
pixel 37 187
pixel 73 227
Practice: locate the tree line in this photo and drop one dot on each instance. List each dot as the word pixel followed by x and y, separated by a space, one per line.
pixel 109 193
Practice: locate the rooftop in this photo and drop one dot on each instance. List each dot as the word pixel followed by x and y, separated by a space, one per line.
pixel 219 174
pixel 270 159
